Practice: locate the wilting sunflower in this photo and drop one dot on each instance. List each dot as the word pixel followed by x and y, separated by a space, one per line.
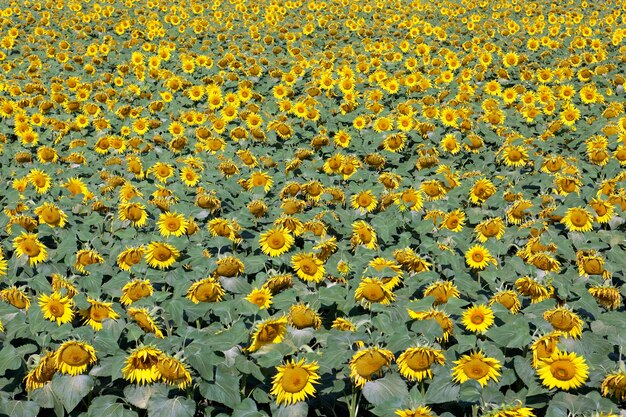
pixel 261 297
pixel 476 366
pixel 229 266
pixel 294 381
pixel 565 320
pixel 207 290
pixel 301 317
pixel 608 296
pixel 578 219
pixel 16 297
pixel 481 191
pixel 489 228
pixel 415 363
pixel 308 267
pixel 343 324
pixel 267 332
pixel 478 257
pixel 28 245
pixel 276 241
pixel 507 298
pixel 161 255
pixel 57 307
pixel 440 317
pixel 534 289
pixel 364 201
pixel 73 357
pixel 140 366
pixel 135 213
pixel 442 291
pixel 135 291
pixel 373 290
pixel 278 283
pixel 97 312
pixel 173 372
pixel 589 263
pixel 51 215
pixel 129 257
pixel 478 318
pixel 545 346
pixel 172 224
pixel 421 411
pixel 614 385
pixel 86 257
pixel 367 363
pixel 563 370
pixel 39 376
pixel 145 321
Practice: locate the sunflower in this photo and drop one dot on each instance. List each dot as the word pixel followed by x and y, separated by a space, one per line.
pixel 604 210
pixel 276 241
pixel 387 270
pixel 144 321
pixel 508 299
pixel 76 186
pixel 207 290
pixel 16 297
pixel 364 201
pixel 534 289
pixel 97 312
pixel 39 376
pixel 173 372
pixel 608 296
pixel 411 261
pixel 57 308
pixel 410 199
pixel 135 213
pixel 162 171
pixel 564 320
pixel 415 363
pixel 40 180
pixel 516 410
pixel 260 179
pixel 343 324
pixel 172 224
pixel 421 411
pixel 478 257
pixel 267 332
pixel 476 366
pixel 28 245
pixel 86 257
pixel 545 346
pixel 449 143
pixel 517 213
pixel 489 228
pixel 563 370
pixel 130 257
pixel 363 234
pixel 442 291
pixel 367 363
pixel 140 365
pixel 161 255
pixel 73 357
pixel 261 297
pixel 515 156
pixel 578 219
pixel 308 267
pixel 225 228
pixel 294 381
pixel 135 291
pixel 373 290
pixel 481 191
pixel 440 317
pixel 614 384
pixel 478 318
pixel 278 283
pixel 454 221
pixel 301 317
pixel 51 215
pixel 3 264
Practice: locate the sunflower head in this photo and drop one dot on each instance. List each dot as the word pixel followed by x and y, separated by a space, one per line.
pixel 302 316
pixel 367 363
pixel 261 297
pixel 42 373
pixel 415 363
pixel 269 331
pixel 478 318
pixel 207 290
pixel 140 366
pixel 476 366
pixel 563 370
pixel 295 381
pixel 73 357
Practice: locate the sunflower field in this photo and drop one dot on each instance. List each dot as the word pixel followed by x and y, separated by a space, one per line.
pixel 301 208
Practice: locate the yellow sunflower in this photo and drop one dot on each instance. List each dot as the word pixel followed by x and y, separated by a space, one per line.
pixel 39 376
pixel 608 296
pixel 508 299
pixel 604 210
pixel 140 365
pixel 478 257
pixel 364 201
pixel 161 255
pixel 363 234
pixel 343 324
pixel 57 308
pixel 545 346
pixel 278 283
pixel 478 318
pixel 440 317
pixel 578 219
pixel 267 332
pixel 86 257
pixel 476 366
pixel 276 241
pixel 294 381
pixel 229 266
pixel 563 370
pixel 261 297
pixel 373 290
pixel 481 191
pixel 73 357
pixel 367 363
pixel 135 291
pixel 421 411
pixel 28 245
pixel 16 297
pixel 565 320
pixel 207 290
pixel 3 264
pixel 173 372
pixel 145 321
pixel 415 363
pixel 442 291
pixel 129 257
pixel 308 267
pixel 454 221
pixel 172 224
pixel 40 180
pixel 97 312
pixel 135 213
pixel 534 289
pixel 51 215
pixel 260 179
pixel 489 228
pixel 614 384
pixel 301 317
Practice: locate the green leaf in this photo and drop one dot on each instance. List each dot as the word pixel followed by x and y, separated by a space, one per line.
pixel 21 409
pixel 71 389
pixel 300 409
pixel 381 390
pixel 442 390
pixel 225 388
pixel 139 395
pixel 247 408
pixel 514 334
pixel 107 406
pixel 171 407
pixel 8 360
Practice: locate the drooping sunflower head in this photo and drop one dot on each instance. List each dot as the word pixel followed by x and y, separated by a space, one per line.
pixel 491 228
pixel 140 365
pixel 607 296
pixel 42 373
pixel 476 366
pixel 16 297
pixel 86 257
pixel 144 320
pixel 51 215
pixel 207 290
pixel 269 331
pixel 415 363
pixel 367 363
pixel 614 385
pixel 508 299
pixel 373 290
pixel 442 291
pixel 172 371
pixel 136 290
pixel 440 317
pixel 343 324
pixel 545 346
pixel 294 381
pixel 565 320
pixel 161 255
pixel 130 257
pixel 563 370
pixel 135 213
pixel 97 312
pixel 73 357
pixel 421 411
pixel 481 191
pixel 301 317
pixel 278 282
pixel 534 289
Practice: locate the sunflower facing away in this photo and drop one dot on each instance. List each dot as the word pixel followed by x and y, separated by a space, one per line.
pixel 614 384
pixel 294 381
pixel 544 347
pixel 145 321
pixel 269 331
pixel 140 365
pixel 563 370
pixel 42 373
pixel 301 317
pixel 415 363
pixel 135 291
pixel 28 245
pixel 276 241
pixel 207 290
pixel 161 255
pixel 367 363
pixel 173 372
pixel 565 320
pixel 74 357
pixel 16 297
pixel 476 366
pixel 57 308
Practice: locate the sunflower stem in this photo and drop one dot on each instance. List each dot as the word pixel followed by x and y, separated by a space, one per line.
pixel 475 410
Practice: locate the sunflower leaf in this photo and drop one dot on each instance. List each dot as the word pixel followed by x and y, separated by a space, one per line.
pixel 171 407
pixel 514 334
pixel 20 408
pixel 72 389
pixel 225 388
pixel 384 389
pixel 107 406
